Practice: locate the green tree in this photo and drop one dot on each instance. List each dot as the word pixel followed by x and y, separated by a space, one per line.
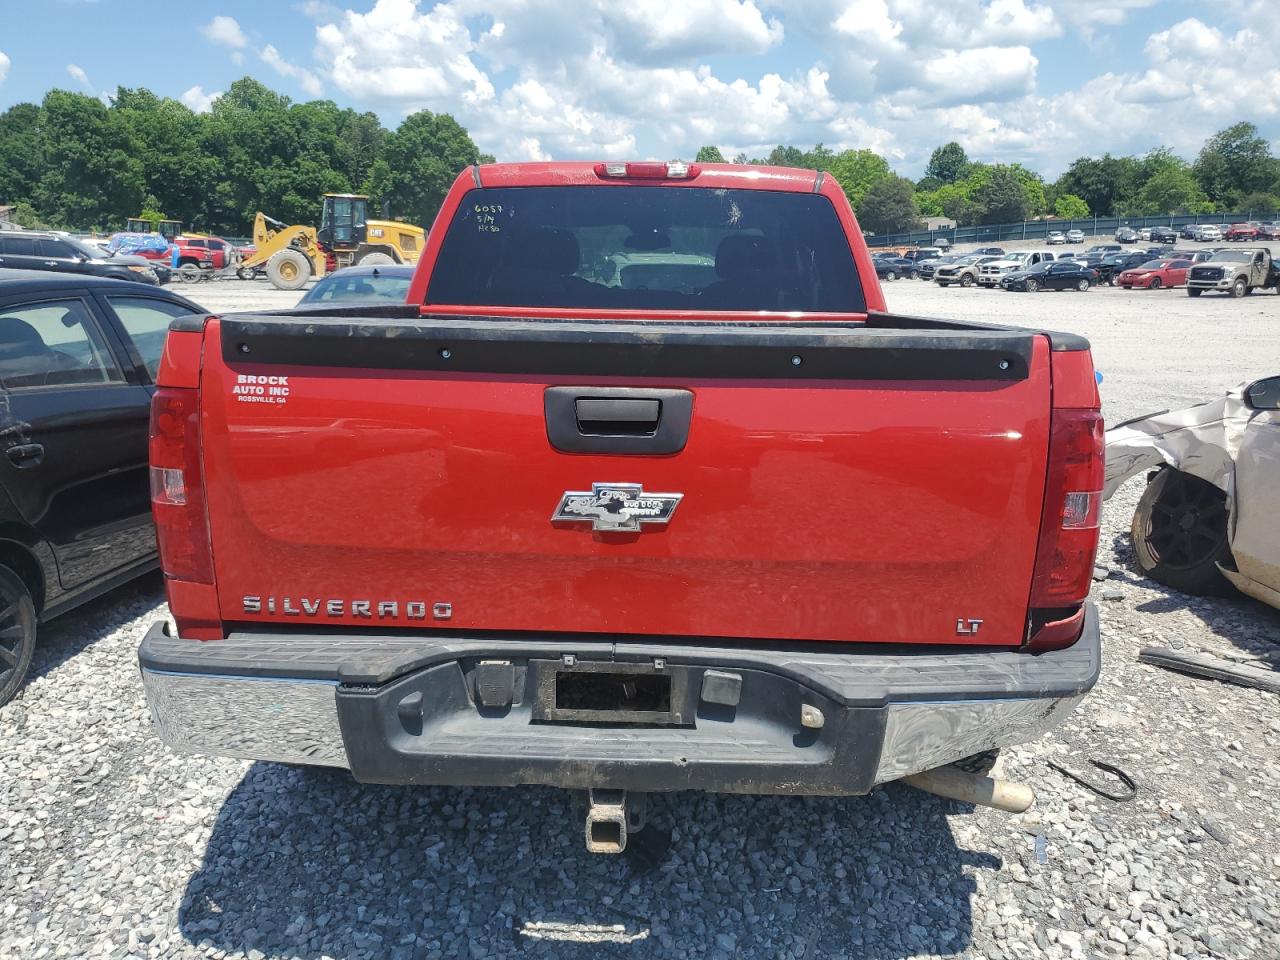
pixel 1258 203
pixel 948 163
pixel 1234 162
pixel 857 171
pixel 1003 197
pixel 781 156
pixel 889 206
pixel 1172 189
pixel 419 162
pixel 1104 183
pixel 92 174
pixel 1070 207
pixel 709 155
pixel 21 152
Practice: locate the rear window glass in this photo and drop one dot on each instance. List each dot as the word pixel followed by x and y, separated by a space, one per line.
pixel 646 248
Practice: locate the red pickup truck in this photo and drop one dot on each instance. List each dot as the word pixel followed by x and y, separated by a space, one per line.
pixel 643 490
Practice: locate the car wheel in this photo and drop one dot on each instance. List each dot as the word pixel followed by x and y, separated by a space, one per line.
pixel 1194 291
pixel 941 284
pixel 891 276
pixel 1238 288
pixel 245 273
pixel 289 270
pixel 1179 533
pixel 966 281
pixel 1032 285
pixel 1155 283
pixel 17 633
pixel 915 274
pixel 1083 285
pixel 189 273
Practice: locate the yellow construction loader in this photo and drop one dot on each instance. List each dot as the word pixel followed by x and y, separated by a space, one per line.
pixel 290 255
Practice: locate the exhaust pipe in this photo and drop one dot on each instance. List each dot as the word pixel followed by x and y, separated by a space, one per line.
pixel 611 815
pixel 955 784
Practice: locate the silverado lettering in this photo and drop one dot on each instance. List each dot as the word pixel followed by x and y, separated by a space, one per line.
pixel 848 482
pixel 413 609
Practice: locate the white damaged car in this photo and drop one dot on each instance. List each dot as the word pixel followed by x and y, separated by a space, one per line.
pixel 1211 511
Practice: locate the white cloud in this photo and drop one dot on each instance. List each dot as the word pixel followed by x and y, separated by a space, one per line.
pixel 198 100
pixel 396 54
pixel 980 75
pixel 77 73
pixel 4 66
pixel 226 32
pixel 307 80
pixel 647 29
pixel 536 79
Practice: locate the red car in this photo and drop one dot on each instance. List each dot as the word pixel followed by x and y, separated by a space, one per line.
pixel 1242 232
pixel 1155 274
pixel 629 495
pixel 208 252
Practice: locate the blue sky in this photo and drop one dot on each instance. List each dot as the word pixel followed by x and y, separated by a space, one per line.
pixel 1037 81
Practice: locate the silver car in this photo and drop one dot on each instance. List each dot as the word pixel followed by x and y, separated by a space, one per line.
pixel 1210 515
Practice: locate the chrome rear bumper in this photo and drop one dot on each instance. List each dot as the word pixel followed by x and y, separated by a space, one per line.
pixel 886 716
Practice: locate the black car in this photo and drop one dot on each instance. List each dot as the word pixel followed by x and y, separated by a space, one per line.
pixel 78 358
pixel 1114 264
pixel 891 268
pixel 927 267
pixel 922 253
pixel 385 283
pixel 31 250
pixel 990 251
pixel 1051 275
pixel 1126 235
pixel 1164 235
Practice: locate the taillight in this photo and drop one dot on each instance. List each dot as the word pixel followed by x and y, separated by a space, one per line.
pixel 177 486
pixel 623 170
pixel 1072 504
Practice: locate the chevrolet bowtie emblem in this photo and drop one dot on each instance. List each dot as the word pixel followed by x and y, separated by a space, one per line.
pixel 616 506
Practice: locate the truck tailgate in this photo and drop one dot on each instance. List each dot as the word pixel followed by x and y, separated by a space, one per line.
pixel 836 483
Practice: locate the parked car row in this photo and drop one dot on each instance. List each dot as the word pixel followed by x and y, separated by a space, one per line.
pixel 1154 268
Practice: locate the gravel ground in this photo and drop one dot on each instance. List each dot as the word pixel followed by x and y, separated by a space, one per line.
pixel 112 846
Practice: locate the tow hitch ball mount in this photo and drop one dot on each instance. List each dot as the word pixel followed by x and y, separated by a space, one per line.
pixel 611 815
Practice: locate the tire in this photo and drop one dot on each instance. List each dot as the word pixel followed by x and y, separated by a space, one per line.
pixel 966 281
pixel 1194 291
pixel 377 258
pixel 915 274
pixel 1179 533
pixel 1238 289
pixel 245 273
pixel 891 276
pixel 17 633
pixel 1031 285
pixel 189 272
pixel 288 270
pixel 1156 284
pixel 941 284
pixel 1083 285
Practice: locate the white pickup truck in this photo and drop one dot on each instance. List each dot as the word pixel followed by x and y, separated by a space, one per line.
pixel 989 274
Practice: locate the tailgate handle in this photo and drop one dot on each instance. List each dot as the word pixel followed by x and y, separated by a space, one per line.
pixel 627 420
pixel 603 416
